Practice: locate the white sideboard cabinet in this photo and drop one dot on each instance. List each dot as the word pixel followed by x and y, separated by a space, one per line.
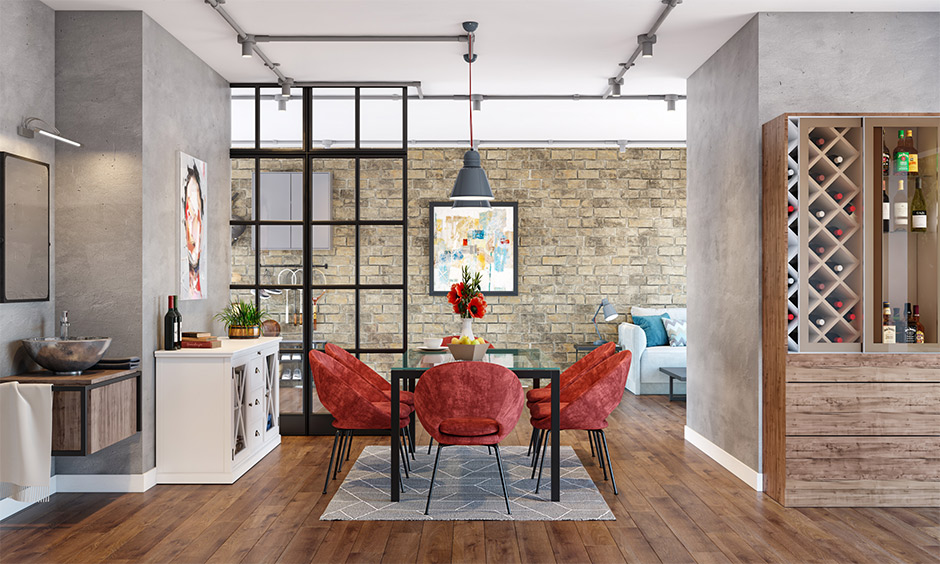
pixel 216 410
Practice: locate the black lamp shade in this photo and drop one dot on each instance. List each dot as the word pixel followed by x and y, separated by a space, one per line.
pixel 471 204
pixel 471 183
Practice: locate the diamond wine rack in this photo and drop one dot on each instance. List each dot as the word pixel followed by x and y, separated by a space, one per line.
pixel 824 249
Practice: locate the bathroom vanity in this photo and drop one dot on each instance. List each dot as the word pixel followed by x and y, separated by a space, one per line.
pixel 90 411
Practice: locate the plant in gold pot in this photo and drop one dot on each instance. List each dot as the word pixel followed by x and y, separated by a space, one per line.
pixel 242 319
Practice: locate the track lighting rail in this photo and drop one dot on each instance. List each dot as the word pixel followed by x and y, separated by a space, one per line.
pixel 646 39
pixel 361 38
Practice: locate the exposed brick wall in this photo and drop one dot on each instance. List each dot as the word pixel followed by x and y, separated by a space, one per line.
pixel 593 223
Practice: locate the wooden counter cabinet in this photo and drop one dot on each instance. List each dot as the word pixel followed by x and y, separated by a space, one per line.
pixel 90 411
pixel 216 410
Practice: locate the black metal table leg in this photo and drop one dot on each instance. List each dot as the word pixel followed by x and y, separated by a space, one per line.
pixel 556 437
pixel 393 436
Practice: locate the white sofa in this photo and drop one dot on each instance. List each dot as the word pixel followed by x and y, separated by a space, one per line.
pixel 645 377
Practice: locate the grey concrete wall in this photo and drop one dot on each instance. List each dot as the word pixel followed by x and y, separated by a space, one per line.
pixel 872 62
pixel 777 63
pixel 723 252
pixel 98 196
pixel 27 78
pixel 186 108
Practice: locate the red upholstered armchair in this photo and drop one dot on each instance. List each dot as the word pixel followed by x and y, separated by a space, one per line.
pixel 468 403
pixel 373 379
pixel 354 405
pixel 585 404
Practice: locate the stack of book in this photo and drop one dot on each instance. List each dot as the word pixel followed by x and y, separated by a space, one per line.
pixel 200 340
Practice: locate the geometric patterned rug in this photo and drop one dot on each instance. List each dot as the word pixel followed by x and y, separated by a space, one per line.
pixel 466 488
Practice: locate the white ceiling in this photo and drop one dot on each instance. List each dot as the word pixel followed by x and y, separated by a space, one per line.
pixel 524 47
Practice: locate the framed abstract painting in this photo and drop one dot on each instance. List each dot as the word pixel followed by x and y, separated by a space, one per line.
pixel 193 257
pixel 485 239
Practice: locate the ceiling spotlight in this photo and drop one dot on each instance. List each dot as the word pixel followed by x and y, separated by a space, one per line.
pixel 671 102
pixel 286 85
pixel 281 103
pixel 248 44
pixel 477 100
pixel 646 42
pixel 30 127
pixel 615 84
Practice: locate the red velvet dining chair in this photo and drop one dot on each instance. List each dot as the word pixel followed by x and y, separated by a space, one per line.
pixel 585 405
pixel 374 379
pixel 468 403
pixel 574 371
pixel 354 405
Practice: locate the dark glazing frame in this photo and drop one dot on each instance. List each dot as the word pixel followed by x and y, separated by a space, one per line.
pixel 515 246
pixel 308 423
pixel 3 202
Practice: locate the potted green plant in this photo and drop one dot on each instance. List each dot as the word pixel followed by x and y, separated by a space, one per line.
pixel 242 319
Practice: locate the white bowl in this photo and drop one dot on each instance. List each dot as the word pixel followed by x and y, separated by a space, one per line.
pixel 468 352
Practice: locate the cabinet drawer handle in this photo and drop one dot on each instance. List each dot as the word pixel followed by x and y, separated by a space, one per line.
pixel 257 433
pixel 259 353
pixel 256 402
pixel 257 370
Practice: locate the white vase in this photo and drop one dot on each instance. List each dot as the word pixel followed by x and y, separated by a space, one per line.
pixel 466 327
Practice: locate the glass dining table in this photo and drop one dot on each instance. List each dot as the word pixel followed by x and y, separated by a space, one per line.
pixel 527 364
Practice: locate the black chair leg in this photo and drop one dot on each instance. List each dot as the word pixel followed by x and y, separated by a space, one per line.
pixel 499 464
pixel 541 464
pixel 591 436
pixel 489 450
pixel 532 441
pixel 403 440
pixel 600 454
pixel 538 447
pixel 607 451
pixel 430 444
pixel 433 473
pixel 409 442
pixel 339 460
pixel 404 457
pixel 349 445
pixel 330 465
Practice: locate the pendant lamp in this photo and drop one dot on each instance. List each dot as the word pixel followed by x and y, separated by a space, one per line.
pixel 471 185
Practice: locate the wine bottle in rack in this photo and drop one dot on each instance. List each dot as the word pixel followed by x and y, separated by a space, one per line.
pixel 885 158
pixel 838 232
pixel 836 159
pixel 819 140
pixel 836 267
pixel 885 206
pixel 919 334
pixel 820 250
pixel 819 321
pixel 836 195
pixel 918 209
pixel 850 316
pixel 790 172
pixel 820 213
pixel 888 331
pixel 900 208
pixel 900 157
pixel 790 208
pixel 790 281
pixel 838 304
pixel 851 209
pixel 912 164
pixel 836 338
pixel 791 316
pixel 820 286
pixel 818 177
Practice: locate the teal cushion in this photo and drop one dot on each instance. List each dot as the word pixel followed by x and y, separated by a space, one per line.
pixel 652 325
pixel 676 331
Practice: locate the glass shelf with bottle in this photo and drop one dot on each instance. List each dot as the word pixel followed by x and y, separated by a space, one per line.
pixel 904 252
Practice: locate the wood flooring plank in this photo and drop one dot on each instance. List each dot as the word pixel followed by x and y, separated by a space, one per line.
pixel 437 542
pixel 338 542
pixel 302 547
pixel 566 542
pixel 534 544
pixel 370 542
pixel 468 542
pixel 402 545
pixel 501 544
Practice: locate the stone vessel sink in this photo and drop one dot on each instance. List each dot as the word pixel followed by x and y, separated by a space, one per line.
pixel 66 356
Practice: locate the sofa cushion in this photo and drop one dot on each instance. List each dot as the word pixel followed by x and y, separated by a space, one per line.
pixel 674 312
pixel 675 329
pixel 653 326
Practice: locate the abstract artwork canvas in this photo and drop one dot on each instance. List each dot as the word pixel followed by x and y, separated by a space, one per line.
pixel 194 258
pixel 485 239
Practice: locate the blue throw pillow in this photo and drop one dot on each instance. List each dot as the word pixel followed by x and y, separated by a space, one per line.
pixel 652 325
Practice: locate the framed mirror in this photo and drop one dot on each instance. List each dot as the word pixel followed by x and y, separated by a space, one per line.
pixel 24 229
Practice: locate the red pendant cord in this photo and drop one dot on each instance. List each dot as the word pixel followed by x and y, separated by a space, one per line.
pixel 470 81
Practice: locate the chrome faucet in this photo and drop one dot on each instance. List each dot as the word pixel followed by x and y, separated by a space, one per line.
pixel 64 325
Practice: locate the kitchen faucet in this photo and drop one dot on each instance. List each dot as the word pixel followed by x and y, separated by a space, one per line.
pixel 64 325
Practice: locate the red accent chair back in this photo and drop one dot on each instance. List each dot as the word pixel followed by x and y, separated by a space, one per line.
pixel 365 373
pixel 595 395
pixel 464 393
pixel 574 371
pixel 351 401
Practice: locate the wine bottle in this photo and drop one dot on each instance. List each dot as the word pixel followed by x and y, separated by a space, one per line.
pixel 820 250
pixel 885 206
pixel 837 196
pixel 836 159
pixel 790 208
pixel 818 177
pixel 888 332
pixel 790 172
pixel 850 316
pixel 178 331
pixel 901 155
pixel 850 208
pixel 909 325
pixel 885 158
pixel 820 286
pixel 838 232
pixel 918 210
pixel 919 335
pixel 791 317
pixel 835 338
pixel 820 213
pixel 170 333
pixel 900 208
pixel 898 324
pixel 819 141
pixel 837 268
pixel 820 321
pixel 912 164
pixel 838 304
pixel 790 281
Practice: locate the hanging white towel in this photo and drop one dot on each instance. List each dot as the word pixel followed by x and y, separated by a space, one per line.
pixel 25 440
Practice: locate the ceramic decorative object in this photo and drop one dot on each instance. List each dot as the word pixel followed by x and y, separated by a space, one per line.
pixel 468 352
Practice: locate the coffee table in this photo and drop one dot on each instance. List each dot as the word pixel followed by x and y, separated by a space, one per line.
pixel 674 373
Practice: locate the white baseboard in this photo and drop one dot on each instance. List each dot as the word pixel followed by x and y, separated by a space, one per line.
pixel 102 483
pixel 741 470
pixel 9 506
pixel 87 483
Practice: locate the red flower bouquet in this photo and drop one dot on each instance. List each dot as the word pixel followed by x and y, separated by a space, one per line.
pixel 466 297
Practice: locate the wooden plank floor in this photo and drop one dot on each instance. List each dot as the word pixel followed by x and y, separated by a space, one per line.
pixel 675 505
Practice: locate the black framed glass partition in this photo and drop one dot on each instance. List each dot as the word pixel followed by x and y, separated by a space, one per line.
pixel 319 227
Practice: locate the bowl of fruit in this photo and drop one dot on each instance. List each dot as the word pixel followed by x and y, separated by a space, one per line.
pixel 466 348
